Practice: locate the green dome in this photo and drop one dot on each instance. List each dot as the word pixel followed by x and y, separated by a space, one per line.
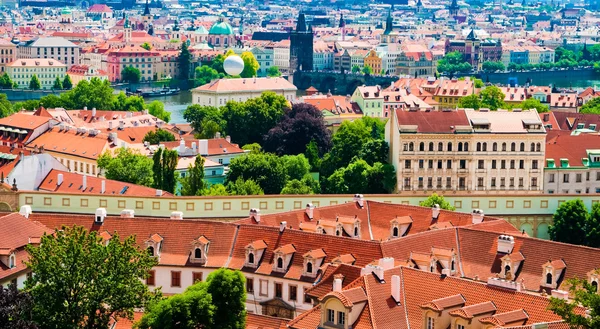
pixel 66 11
pixel 221 28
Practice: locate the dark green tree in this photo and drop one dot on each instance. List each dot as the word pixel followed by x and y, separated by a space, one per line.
pixel 591 106
pixel 273 71
pixel 312 155
pixel 6 82
pixel 374 150
pixel 206 120
pixel 493 98
pixel 244 187
pixel 157 109
pixel 470 102
pixel 127 166
pixel 57 84
pixel 228 290
pixel 15 308
pixel 205 74
pixel 82 282
pixel 251 65
pixel 437 199
pixel 146 46
pixel 160 135
pixel 7 108
pixel 67 84
pixel 34 83
pixel 533 103
pixel 184 61
pixel 193 182
pixel 592 227
pixel 131 74
pixel 267 170
pixel 164 166
pixel 296 166
pixel 569 222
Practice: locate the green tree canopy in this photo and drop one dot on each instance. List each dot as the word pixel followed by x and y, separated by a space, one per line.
pixel 582 295
pixel 360 177
pixel 67 262
pixel 127 166
pixel 306 185
pixel 164 166
pixel 205 74
pixel 157 109
pixel 160 135
pixel 244 187
pixel 184 60
pixel 569 222
pixel 273 71
pixel 367 70
pixel 228 290
pixel 491 66
pixel 470 102
pixel 355 68
pixel 493 98
pixel 250 65
pixel 206 120
pixel 67 84
pixel 146 46
pixel 437 199
pixel 267 170
pixel 535 104
pixel 296 166
pixel 6 107
pixel 6 82
pixel 34 83
pixel 57 84
pixel 452 63
pixel 15 308
pixel 131 74
pixel 193 181
pixel 591 106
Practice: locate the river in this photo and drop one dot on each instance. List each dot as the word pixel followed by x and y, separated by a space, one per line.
pixel 175 104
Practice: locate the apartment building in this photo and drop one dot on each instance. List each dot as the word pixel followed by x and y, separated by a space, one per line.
pixel 57 48
pixel 417 60
pixel 467 150
pixel 370 100
pixel 449 92
pixel 219 92
pixel 135 56
pixel 8 53
pixel 47 70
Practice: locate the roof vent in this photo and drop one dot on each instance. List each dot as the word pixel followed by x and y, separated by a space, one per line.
pixel 159 192
pixel 506 243
pixel 100 216
pixel 255 214
pixel 358 198
pixel 282 226
pixel 127 213
pixel 25 211
pixel 477 216
pixel 435 211
pixel 310 210
pixel 59 179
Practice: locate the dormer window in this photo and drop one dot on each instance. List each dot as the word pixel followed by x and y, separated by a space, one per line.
pixel 154 244
pixel 595 286
pixel 395 232
pixel 313 259
pixel 12 261
pixel 549 278
pixel 552 271
pixel 254 252
pixel 309 267
pixel 199 250
pixel 198 253
pixel 356 231
pixel 151 251
pixel 279 262
pixel 251 258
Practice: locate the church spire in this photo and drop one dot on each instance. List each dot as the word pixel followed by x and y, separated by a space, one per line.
pixel 301 25
pixel 342 21
pixel 146 9
pixel 389 23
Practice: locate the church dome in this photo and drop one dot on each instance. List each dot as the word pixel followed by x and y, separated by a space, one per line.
pixel 201 30
pixel 65 11
pixel 221 28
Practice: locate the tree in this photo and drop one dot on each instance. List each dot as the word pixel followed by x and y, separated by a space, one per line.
pixel 582 295
pixel 347 143
pixel 360 177
pixel 244 187
pixel 253 148
pixel 470 102
pixel 591 106
pixel 312 155
pixel 165 164
pixel 355 68
pixel 146 46
pixel 569 221
pixel 34 83
pixel 15 308
pixel 228 290
pixel 592 227
pixel 134 103
pixel 94 93
pixel 307 185
pixel 367 70
pixel 6 108
pixel 193 182
pixel 157 109
pixel 491 66
pixel 437 199
pixel 453 62
pixel 296 166
pixel 267 170
pixel 82 282
pixel 374 150
pixel 6 82
pixel 154 137
pixel 273 71
pixel 127 166
pixel 215 190
pixel 184 60
pixel 561 53
pixel 205 74
pixel 57 84
pixel 250 65
pixel 206 120
pixel 299 126
pixel 131 74
pixel 493 98
pixel 67 84
pixel 535 104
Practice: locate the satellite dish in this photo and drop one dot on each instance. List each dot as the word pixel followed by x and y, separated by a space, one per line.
pixel 233 65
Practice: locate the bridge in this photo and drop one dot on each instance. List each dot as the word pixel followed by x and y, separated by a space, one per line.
pixel 338 83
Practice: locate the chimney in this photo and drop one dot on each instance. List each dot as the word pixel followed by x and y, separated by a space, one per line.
pixel 378 271
pixel 477 216
pixel 110 125
pixel 203 147
pixel 176 215
pixel 228 139
pixel 386 263
pixel 127 213
pixel 310 209
pixel 195 147
pixel 255 214
pixel 129 114
pixel 560 294
pixel 84 183
pixel 25 211
pixel 103 187
pixel 94 112
pixel 100 216
pixel 158 192
pixel 506 244
pixel 358 198
pixel 85 108
pixel 546 117
pixel 337 285
pixel 181 147
pixel 121 125
pixel 217 135
pixel 435 211
pixel 396 288
pixel 282 226
pixel 59 179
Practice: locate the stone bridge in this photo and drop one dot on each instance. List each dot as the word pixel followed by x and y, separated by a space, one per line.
pixel 338 83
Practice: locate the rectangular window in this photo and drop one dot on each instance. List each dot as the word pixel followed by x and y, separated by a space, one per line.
pixel 448 182
pixel 520 181
pixel 493 181
pixel 150 280
pixel 307 299
pixel 578 178
pixel 463 164
pixel 460 326
pixel 502 182
pixel 439 166
pixel 331 316
pixel 278 290
pixel 480 164
pixel 196 276
pixel 597 174
pixel 534 164
pixel 249 285
pixel 406 164
pixel 493 164
pixel 430 164
pixel 551 178
pixel 293 293
pixel 480 182
pixel 175 278
pixel 430 323
pixel 534 182
pixel 522 164
pixel 449 164
pixel 512 164
pixel 503 164
pixel 421 164
pixel 341 318
pixel 565 178
pixel 512 182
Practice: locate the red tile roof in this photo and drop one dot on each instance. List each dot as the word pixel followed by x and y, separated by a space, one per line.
pixel 257 321
pixel 72 143
pixel 24 121
pixel 440 122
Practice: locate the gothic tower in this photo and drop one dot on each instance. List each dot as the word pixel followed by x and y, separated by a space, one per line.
pixel 301 46
pixel 453 8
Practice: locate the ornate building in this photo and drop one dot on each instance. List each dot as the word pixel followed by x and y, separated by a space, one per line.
pixel 476 51
pixel 301 46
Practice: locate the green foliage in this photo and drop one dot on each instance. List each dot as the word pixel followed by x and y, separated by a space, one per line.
pixel 296 166
pixel 267 170
pixel 374 150
pixel 493 98
pixel 273 71
pixel 569 221
pixel 478 83
pixel 82 282
pixel 6 82
pixel 470 102
pixel 67 83
pixel 347 143
pixel 253 148
pixel 535 104
pixel 437 199
pixel 355 68
pixel 312 155
pixel 29 105
pixel 491 66
pixel 582 294
pixel 193 182
pixel 127 166
pixel 453 62
pixel 591 106
pixel 205 74
pixel 6 107
pixel 228 290
pixel 160 135
pixel 146 46
pixel 95 93
pixel 307 185
pixel 165 164
pixel 216 190
pixel 367 70
pixel 184 60
pixel 592 229
pixel 157 109
pixel 206 120
pixel 250 65
pixel 57 84
pixel 360 177
pixel 561 53
pixel 15 308
pixel 34 83
pixel 131 74
pixel 244 187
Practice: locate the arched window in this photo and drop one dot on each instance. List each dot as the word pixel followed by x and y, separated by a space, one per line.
pixel 495 147
pixel 532 148
pixel 460 147
pixel 431 269
pixel 549 278
pixel 356 231
pixel 440 146
pixel 12 261
pixel 522 147
pixel 395 232
pixel 512 146
pixel 478 147
pixel 538 147
pixel 449 147
pixel 411 146
pixel 484 147
pixel 503 147
pixel 452 265
pixel 198 253
pixel 151 251
pixel 595 285
pixel 309 267
pixel 279 262
pixel 337 232
pixel 430 146
pixel 251 258
pixel 506 269
pixel 422 146
pixel 466 147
